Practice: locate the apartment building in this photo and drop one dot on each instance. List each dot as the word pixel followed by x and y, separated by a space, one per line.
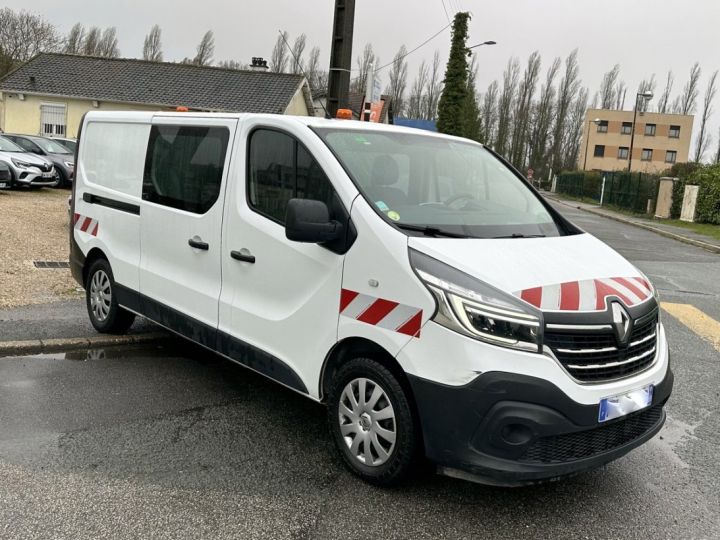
pixel 660 141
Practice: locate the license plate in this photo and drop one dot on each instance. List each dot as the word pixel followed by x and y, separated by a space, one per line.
pixel 624 404
pixel 47 175
pixel 3 184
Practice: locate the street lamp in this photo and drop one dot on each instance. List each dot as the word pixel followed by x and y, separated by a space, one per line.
pixel 480 45
pixel 587 140
pixel 645 96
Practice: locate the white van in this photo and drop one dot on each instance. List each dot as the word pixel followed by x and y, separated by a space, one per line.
pixel 413 282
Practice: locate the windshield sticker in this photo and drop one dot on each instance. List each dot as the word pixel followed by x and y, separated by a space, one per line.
pixel 360 139
pixel 382 206
pixel 392 214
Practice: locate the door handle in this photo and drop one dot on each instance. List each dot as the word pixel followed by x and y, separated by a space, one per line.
pixel 198 244
pixel 245 257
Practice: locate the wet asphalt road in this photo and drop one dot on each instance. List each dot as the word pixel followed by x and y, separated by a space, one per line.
pixel 174 442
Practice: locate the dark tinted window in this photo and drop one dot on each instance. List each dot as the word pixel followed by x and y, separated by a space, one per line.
pixel 599 150
pixel 184 166
pixel 280 169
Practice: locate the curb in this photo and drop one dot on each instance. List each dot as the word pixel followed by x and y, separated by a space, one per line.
pixel 38 346
pixel 667 234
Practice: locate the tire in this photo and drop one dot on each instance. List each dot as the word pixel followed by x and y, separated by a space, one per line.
pixel 58 182
pixel 101 301
pixel 368 424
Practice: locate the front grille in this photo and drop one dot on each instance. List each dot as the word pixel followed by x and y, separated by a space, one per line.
pixel 585 444
pixel 46 167
pixel 597 356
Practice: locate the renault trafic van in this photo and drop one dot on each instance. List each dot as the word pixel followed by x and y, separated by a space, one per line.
pixel 413 282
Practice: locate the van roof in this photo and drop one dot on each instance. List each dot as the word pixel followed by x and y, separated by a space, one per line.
pixel 289 119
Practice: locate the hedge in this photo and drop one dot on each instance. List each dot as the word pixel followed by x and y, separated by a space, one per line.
pixel 707 209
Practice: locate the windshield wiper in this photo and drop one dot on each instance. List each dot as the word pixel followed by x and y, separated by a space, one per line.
pixel 430 231
pixel 519 235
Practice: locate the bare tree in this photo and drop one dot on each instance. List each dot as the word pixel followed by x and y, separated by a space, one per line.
pixel 416 101
pixel 433 88
pixel 489 113
pixel 74 40
pixel 505 106
pixel 296 62
pixel 232 64
pixel 152 47
pixel 108 44
pixel 542 119
pixel 620 93
pixel 398 81
pixel 279 57
pixel 608 88
pixel 664 101
pixel 471 109
pixel 22 36
pixel 703 138
pixel 92 42
pixel 576 120
pixel 312 69
pixel 523 106
pixel 205 50
pixel 685 103
pixel 367 59
pixel 567 90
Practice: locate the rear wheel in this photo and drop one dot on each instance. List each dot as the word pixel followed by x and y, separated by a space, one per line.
pixel 371 421
pixel 105 313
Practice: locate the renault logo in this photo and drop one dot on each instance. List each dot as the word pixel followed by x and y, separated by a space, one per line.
pixel 621 323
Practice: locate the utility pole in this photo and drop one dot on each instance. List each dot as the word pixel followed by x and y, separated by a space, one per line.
pixel 340 56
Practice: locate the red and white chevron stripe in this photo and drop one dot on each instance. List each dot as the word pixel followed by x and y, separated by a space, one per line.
pixel 381 312
pixel 587 295
pixel 86 224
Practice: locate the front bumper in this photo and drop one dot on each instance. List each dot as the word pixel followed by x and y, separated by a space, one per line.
pixel 508 429
pixel 34 177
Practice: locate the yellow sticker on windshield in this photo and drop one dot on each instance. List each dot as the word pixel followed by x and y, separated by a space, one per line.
pixel 392 214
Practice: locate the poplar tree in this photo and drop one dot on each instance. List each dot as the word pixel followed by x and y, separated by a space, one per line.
pixel 453 99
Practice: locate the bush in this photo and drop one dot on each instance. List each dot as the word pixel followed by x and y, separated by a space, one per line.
pixel 682 171
pixel 708 200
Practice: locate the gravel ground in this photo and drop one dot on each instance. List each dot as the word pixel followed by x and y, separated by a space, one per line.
pixel 35 227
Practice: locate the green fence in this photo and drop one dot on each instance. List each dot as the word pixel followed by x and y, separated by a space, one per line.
pixel 622 189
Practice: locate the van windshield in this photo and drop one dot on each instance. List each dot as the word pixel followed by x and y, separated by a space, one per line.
pixel 439 186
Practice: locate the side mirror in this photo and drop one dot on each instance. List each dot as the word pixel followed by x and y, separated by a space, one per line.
pixel 309 221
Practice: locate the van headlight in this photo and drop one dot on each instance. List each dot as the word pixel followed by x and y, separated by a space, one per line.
pixel 477 310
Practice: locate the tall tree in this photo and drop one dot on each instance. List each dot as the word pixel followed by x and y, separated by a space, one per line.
pixel 74 40
pixel 703 138
pixel 22 36
pixel 416 99
pixel 398 81
pixel 717 152
pixel 523 106
pixel 91 44
pixel 364 61
pixel 312 70
pixel 567 90
pixel 433 89
pixel 296 62
pixel 489 113
pixel 152 47
pixel 471 109
pixel 664 101
pixel 576 119
pixel 452 101
pixel 505 106
pixel 685 103
pixel 608 88
pixel 205 50
pixel 620 92
pixel 279 57
pixel 108 44
pixel 542 120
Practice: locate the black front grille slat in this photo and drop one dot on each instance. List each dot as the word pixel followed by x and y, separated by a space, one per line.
pixel 574 348
pixel 585 444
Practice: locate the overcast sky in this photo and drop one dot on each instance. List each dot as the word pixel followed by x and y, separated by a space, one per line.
pixel 643 36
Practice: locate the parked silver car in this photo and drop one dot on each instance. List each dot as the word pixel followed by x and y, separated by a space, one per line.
pixel 61 157
pixel 26 169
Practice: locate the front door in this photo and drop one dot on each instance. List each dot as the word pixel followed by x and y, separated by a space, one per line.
pixel 279 303
pixel 181 215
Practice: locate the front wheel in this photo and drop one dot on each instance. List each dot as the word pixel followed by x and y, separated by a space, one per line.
pixel 371 421
pixel 105 313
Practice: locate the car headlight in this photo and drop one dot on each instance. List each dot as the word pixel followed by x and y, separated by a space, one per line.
pixel 69 164
pixel 21 164
pixel 477 310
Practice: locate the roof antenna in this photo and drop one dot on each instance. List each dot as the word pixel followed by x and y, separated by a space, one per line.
pixel 298 64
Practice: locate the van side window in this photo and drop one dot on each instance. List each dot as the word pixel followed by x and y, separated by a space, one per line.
pixel 184 166
pixel 280 169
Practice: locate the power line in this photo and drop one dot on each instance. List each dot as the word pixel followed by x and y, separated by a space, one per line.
pixel 428 40
pixel 445 9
